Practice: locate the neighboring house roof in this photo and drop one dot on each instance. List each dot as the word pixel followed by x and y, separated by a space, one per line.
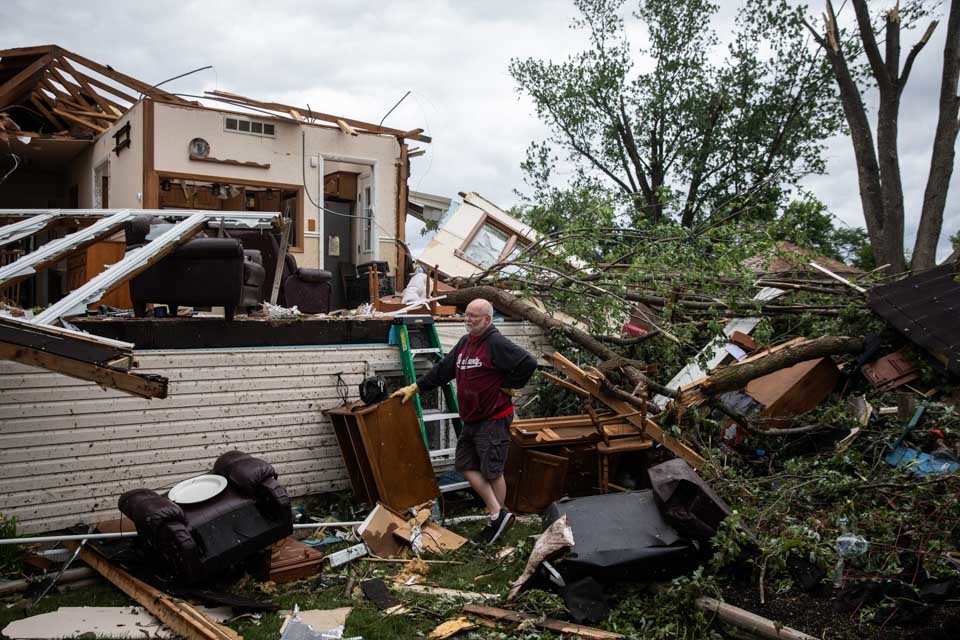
pixel 786 257
pixel 924 307
pixel 49 90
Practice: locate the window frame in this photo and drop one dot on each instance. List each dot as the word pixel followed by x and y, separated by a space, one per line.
pixel 513 239
pixel 250 132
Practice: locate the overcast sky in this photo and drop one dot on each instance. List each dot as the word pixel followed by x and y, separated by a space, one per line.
pixel 358 58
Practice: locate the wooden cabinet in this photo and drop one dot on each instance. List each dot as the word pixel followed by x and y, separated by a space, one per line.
pixel 341 185
pixel 384 453
pixel 84 265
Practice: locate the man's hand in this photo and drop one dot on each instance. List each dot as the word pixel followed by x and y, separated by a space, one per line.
pixel 509 392
pixel 406 392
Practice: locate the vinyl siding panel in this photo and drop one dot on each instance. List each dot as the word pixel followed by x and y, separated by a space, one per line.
pixel 69 448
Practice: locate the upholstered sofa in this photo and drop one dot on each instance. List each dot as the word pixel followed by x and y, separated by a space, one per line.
pixel 202 272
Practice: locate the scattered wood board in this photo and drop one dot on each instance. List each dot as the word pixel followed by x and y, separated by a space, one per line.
pixel 592 384
pixel 559 626
pixel 183 618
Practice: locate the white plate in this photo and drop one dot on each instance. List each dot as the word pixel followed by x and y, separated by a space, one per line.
pixel 197 489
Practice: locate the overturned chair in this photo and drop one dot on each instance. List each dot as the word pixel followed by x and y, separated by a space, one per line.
pixel 202 272
pixel 190 543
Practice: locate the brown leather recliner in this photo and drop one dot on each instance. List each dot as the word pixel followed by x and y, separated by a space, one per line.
pixel 307 289
pixel 202 272
pixel 195 542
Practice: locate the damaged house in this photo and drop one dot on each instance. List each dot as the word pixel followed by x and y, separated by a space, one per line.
pixel 98 153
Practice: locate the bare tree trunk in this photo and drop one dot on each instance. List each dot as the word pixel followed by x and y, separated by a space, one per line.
pixel 736 376
pixel 941 162
pixel 515 306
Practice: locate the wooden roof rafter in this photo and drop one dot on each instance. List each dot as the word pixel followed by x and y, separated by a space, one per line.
pixel 56 86
pixel 287 112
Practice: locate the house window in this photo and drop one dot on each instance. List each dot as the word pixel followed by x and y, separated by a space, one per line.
pixel 251 127
pixel 488 244
pixel 367 219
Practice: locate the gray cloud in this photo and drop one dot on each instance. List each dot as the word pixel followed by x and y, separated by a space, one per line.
pixel 357 59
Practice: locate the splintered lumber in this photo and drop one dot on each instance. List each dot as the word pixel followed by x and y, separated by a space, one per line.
pixel 750 622
pixel 77 355
pixel 183 618
pixel 559 626
pixel 649 427
pixel 736 376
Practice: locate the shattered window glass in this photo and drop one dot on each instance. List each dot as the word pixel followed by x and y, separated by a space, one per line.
pixel 486 246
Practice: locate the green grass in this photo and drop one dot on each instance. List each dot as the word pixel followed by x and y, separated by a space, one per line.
pixel 480 571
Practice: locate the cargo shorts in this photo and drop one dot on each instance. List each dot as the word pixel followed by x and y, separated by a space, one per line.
pixel 482 446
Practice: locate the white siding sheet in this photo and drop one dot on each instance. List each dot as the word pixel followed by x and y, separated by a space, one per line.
pixel 69 448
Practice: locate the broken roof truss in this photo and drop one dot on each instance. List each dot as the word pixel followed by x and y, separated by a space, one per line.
pixel 50 90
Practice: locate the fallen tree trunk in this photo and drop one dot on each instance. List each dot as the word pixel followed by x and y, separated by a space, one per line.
pixel 736 376
pixel 513 305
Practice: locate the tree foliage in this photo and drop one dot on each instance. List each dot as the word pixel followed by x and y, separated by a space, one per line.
pixel 666 131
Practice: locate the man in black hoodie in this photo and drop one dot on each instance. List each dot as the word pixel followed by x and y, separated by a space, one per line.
pixel 488 369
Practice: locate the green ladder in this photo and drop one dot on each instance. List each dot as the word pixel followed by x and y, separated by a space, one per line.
pixel 416 336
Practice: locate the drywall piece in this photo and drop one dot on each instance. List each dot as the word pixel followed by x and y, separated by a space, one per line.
pixel 70 622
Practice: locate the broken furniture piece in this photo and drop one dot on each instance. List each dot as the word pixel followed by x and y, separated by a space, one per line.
pixel 554 457
pixel 201 272
pixel 384 453
pixel 194 541
pixel 286 561
pixel 77 354
pixel 890 371
pixel 387 533
pixel 593 383
pixel 686 501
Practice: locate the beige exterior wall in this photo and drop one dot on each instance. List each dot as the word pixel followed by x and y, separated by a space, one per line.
pixel 125 169
pixel 290 156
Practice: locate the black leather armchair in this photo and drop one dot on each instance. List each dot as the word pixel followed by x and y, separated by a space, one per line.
pixel 202 272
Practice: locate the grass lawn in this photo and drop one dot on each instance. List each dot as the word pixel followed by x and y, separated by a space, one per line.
pixel 479 570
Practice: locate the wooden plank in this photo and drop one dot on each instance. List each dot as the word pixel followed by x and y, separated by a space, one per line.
pixel 346 128
pixel 185 620
pixel 104 87
pixel 81 121
pixel 648 427
pixel 211 386
pixel 35 100
pixel 12 88
pixel 101 101
pixel 285 108
pixel 20 52
pixel 132 383
pixel 123 79
pixel 72 88
pixel 559 626
pixel 199 462
pixel 20 447
pixel 84 460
